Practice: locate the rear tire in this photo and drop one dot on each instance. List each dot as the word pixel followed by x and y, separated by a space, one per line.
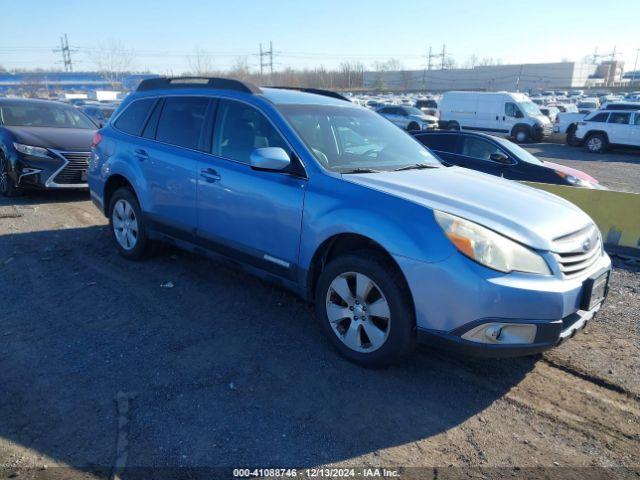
pixel 372 321
pixel 596 142
pixel 8 187
pixel 127 225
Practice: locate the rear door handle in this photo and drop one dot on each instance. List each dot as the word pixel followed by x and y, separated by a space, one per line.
pixel 140 154
pixel 210 175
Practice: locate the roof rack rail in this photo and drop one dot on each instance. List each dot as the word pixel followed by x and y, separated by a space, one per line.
pixel 317 91
pixel 215 83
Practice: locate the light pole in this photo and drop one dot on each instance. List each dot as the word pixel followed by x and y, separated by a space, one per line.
pixel 635 65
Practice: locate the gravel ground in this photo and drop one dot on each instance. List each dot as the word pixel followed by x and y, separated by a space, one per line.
pixel 225 370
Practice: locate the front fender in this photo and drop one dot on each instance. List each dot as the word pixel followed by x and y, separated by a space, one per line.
pixel 402 228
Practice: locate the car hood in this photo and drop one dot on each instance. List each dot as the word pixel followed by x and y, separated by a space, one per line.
pixel 571 171
pixel 78 139
pixel 525 214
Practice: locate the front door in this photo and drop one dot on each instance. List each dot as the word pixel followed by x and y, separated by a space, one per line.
pixel 476 153
pixel 252 215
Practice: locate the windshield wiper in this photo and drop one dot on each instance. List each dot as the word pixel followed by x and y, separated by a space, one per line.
pixel 415 166
pixel 361 170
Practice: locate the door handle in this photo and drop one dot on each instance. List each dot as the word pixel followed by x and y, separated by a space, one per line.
pixel 210 175
pixel 140 154
pixel 504 118
pixel 496 117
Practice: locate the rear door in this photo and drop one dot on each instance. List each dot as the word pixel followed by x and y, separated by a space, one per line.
pixel 169 160
pixel 635 130
pixel 619 128
pixel 445 145
pixel 255 216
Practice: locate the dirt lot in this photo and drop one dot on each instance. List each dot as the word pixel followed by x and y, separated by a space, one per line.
pixel 225 370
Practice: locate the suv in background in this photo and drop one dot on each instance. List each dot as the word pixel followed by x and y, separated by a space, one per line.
pixel 609 128
pixel 408 118
pixel 333 202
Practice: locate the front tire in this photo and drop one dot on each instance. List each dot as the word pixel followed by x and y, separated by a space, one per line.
pixel 572 140
pixel 453 126
pixel 127 225
pixel 413 127
pixel 8 187
pixel 596 142
pixel 364 307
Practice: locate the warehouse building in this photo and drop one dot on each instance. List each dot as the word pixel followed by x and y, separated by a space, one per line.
pixel 523 77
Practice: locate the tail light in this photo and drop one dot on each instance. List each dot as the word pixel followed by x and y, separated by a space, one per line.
pixel 97 138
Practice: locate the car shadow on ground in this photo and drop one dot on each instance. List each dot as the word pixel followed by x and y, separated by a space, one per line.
pixel 38 197
pixel 222 369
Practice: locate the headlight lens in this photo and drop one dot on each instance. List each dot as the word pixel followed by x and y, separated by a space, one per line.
pixel 30 150
pixel 490 248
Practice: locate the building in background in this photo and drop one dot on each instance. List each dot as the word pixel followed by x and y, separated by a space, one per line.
pixel 518 77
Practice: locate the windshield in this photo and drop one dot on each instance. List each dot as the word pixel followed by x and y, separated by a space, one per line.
pixel 347 138
pixel 587 105
pixel 518 151
pixel 530 108
pixel 33 114
pixel 414 111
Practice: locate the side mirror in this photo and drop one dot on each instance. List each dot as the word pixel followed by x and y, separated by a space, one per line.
pixel 500 158
pixel 270 158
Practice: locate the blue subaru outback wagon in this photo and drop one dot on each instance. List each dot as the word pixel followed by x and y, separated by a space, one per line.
pixel 332 201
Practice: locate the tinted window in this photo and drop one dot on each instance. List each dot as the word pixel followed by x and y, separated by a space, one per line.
pixel 181 121
pixel 600 117
pixel 620 118
pixel 441 142
pixel 637 119
pixel 479 148
pixel 240 129
pixel 132 119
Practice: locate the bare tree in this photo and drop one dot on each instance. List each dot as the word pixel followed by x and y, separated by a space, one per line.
pixel 240 69
pixel 200 63
pixel 112 60
pixel 471 62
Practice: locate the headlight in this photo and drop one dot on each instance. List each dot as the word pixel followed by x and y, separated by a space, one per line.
pixel 490 248
pixel 33 151
pixel 575 181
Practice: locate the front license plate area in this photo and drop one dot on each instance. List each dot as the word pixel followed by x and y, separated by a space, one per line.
pixel 594 291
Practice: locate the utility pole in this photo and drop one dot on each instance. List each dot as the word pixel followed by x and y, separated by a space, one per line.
pixel 264 54
pixel 635 66
pixel 429 59
pixel 66 53
pixel 443 56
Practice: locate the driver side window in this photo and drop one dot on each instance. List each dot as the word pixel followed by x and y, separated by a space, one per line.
pixel 240 129
pixel 479 148
pixel 511 110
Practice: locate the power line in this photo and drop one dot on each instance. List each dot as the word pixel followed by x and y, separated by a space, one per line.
pixel 266 60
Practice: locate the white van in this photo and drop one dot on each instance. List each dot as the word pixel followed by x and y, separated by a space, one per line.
pixel 499 113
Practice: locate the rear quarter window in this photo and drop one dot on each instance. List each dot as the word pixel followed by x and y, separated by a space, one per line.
pixel 132 120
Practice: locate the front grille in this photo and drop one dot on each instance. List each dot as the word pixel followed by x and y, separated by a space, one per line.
pixel 577 252
pixel 72 173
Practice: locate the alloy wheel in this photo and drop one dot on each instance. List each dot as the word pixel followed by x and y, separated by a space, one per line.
pixel 125 224
pixel 594 144
pixel 358 312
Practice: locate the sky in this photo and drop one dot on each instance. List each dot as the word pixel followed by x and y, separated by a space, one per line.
pixel 163 36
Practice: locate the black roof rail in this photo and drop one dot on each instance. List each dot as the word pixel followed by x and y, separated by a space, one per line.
pixel 317 91
pixel 215 83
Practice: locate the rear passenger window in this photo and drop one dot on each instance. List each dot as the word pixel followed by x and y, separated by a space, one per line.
pixel 181 121
pixel 620 118
pixel 637 119
pixel 240 129
pixel 133 118
pixel 441 142
pixel 600 117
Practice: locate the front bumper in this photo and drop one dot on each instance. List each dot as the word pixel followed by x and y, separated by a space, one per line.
pixel 456 295
pixel 64 170
pixel 542 131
